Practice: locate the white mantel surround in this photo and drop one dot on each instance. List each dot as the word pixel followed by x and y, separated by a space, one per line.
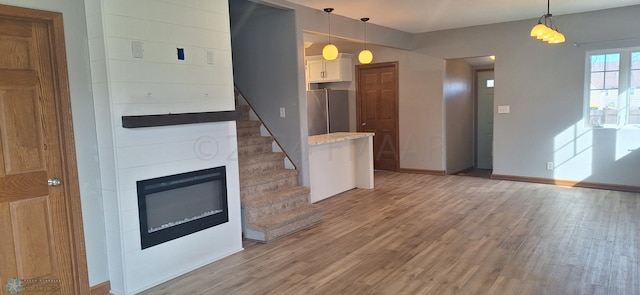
pixel 159 83
pixel 152 152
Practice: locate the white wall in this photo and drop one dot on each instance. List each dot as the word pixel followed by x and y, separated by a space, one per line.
pixel 459 115
pixel 75 31
pixel 317 21
pixel 543 84
pixel 159 83
pixel 420 107
pixel 267 71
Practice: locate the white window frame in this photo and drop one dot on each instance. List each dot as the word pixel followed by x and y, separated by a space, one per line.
pixel 624 78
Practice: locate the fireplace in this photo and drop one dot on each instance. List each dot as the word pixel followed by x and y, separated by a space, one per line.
pixel 178 205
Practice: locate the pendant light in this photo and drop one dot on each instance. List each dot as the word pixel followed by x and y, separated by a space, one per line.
pixel 330 51
pixel 547 30
pixel 365 56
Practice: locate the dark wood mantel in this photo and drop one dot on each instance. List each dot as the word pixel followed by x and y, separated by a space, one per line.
pixel 178 119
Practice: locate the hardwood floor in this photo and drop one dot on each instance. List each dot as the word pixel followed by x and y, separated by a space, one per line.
pixel 423 234
pixel 475 172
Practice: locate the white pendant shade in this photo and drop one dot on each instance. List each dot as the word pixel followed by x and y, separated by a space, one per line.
pixel 365 56
pixel 330 52
pixel 546 31
pixel 538 30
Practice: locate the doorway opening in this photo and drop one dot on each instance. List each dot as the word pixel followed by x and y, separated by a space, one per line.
pixel 484 86
pixel 469 116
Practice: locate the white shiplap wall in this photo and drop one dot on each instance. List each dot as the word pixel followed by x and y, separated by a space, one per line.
pixel 104 136
pixel 159 83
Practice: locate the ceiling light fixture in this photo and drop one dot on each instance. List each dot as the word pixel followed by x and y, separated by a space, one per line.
pixel 547 31
pixel 365 56
pixel 330 51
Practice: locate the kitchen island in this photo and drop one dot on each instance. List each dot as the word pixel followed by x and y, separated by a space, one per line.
pixel 339 162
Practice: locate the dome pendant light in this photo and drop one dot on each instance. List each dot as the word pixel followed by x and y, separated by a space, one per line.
pixel 330 51
pixel 547 30
pixel 365 56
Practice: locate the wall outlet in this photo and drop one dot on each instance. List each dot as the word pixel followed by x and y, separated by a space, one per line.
pixel 282 113
pixel 550 166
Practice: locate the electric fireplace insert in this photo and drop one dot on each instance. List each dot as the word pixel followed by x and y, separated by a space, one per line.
pixel 178 205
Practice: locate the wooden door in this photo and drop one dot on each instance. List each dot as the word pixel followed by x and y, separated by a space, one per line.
pixel 484 125
pixel 41 238
pixel 377 111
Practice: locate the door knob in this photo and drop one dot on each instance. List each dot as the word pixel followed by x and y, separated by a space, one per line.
pixel 364 123
pixel 54 181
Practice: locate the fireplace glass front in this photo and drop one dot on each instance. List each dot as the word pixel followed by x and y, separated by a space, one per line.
pixel 177 205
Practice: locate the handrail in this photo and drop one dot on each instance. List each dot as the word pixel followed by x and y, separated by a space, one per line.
pixel 265 126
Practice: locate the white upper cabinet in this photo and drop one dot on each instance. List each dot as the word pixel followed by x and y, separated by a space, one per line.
pixel 322 71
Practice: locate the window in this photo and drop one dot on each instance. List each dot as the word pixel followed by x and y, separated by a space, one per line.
pixel 490 83
pixel 613 87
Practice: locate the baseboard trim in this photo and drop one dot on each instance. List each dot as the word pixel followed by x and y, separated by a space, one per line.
pixel 422 171
pixel 101 289
pixel 614 187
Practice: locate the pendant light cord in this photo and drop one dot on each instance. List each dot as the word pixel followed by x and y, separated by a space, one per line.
pixel 328 11
pixel 329 26
pixel 364 20
pixel 549 16
pixel 549 7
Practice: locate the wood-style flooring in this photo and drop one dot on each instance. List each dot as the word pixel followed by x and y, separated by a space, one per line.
pixel 476 172
pixel 423 234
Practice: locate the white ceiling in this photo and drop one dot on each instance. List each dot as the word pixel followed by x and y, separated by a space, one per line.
pixel 418 16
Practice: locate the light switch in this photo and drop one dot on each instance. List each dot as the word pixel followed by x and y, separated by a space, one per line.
pixel 504 109
pixel 282 113
pixel 210 59
pixel 136 49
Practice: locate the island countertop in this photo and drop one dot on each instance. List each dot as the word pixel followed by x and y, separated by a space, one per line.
pixel 336 137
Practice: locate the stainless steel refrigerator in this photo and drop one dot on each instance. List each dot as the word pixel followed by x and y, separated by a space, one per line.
pixel 327 111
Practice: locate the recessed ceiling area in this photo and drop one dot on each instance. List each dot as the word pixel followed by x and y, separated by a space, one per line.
pixel 418 16
pixel 481 61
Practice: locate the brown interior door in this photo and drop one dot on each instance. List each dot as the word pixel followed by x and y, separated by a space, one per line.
pixel 377 111
pixel 39 234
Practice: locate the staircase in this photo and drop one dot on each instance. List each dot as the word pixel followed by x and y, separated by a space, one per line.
pixel 273 204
